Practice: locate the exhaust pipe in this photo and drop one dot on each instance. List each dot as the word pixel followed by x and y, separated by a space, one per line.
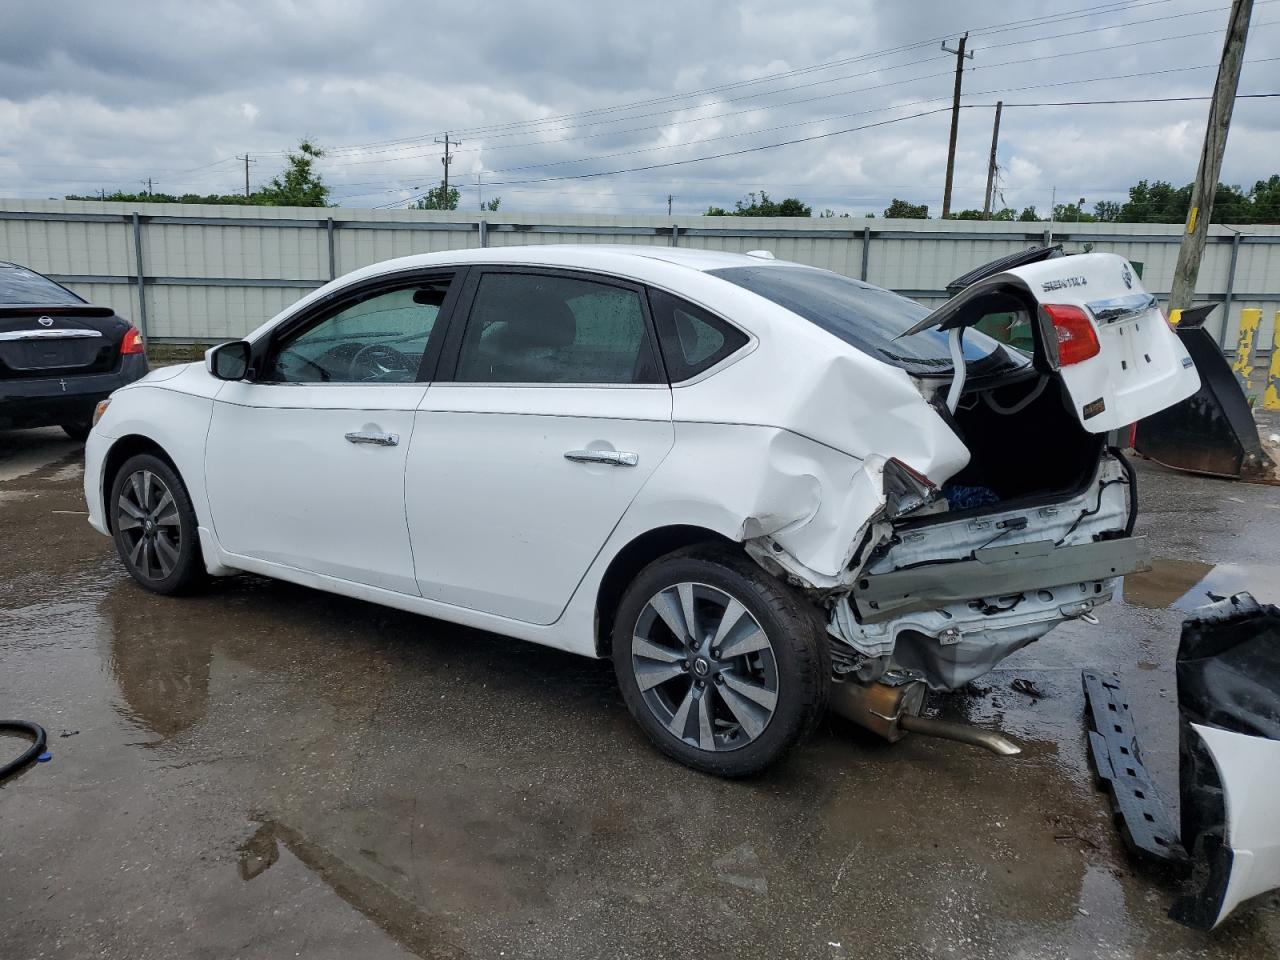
pixel 892 711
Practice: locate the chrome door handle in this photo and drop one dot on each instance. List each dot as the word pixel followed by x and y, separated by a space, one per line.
pixel 615 458
pixel 377 439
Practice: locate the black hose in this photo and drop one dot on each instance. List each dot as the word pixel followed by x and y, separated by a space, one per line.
pixel 31 754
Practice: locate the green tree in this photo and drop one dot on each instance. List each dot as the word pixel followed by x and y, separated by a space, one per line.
pixel 491 205
pixel 1106 211
pixel 437 198
pixel 904 210
pixel 299 185
pixel 1028 215
pixel 760 205
pixel 1071 213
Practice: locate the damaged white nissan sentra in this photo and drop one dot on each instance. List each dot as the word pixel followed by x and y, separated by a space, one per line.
pixel 756 485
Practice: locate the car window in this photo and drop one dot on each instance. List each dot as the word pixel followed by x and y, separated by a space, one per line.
pixel 20 285
pixel 533 328
pixel 378 339
pixel 869 318
pixel 692 339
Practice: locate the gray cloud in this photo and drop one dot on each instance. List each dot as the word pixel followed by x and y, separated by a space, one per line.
pixel 103 96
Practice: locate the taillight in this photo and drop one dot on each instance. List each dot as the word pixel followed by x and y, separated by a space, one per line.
pixel 1076 337
pixel 133 342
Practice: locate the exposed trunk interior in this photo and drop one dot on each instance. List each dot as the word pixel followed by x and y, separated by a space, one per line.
pixel 1026 443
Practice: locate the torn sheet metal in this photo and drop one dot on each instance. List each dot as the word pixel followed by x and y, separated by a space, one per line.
pixel 1145 823
pixel 1228 669
pixel 955 598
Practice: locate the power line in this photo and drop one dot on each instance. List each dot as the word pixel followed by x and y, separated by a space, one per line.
pixel 790 103
pixel 992 29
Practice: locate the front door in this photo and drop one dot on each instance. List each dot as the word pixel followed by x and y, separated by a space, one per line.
pixel 305 464
pixel 525 459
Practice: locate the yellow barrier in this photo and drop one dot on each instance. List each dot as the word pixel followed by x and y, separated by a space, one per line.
pixel 1271 398
pixel 1250 320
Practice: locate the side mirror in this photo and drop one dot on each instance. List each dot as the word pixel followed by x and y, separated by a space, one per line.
pixel 228 361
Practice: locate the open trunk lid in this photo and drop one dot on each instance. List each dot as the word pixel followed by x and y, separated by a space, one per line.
pixel 42 341
pixel 1094 327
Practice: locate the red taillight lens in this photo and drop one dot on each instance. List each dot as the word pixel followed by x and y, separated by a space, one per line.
pixel 133 342
pixel 1076 337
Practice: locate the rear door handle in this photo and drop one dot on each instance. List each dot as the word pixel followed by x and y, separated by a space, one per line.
pixel 377 439
pixel 615 458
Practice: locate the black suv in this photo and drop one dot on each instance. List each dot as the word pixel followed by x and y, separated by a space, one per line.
pixel 58 354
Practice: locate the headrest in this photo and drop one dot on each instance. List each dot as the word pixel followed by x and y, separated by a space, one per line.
pixel 536 318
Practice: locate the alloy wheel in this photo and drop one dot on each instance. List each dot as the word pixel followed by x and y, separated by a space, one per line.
pixel 147 518
pixel 705 667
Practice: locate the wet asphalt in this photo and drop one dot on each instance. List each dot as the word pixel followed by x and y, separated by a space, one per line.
pixel 263 771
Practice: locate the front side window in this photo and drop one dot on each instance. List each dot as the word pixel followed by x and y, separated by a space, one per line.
pixel 535 328
pixel 377 339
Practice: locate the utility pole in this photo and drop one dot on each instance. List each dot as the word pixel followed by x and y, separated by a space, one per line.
pixel 989 198
pixel 446 160
pixel 961 56
pixel 479 190
pixel 245 158
pixel 669 199
pixel 1215 143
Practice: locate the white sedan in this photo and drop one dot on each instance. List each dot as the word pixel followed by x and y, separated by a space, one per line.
pixel 751 483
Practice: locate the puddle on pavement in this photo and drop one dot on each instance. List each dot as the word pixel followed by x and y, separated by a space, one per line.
pixel 1187 584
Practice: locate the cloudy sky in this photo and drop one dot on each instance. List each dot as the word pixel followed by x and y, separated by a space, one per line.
pixel 102 95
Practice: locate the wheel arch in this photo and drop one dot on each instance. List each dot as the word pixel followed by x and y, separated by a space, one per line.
pixel 121 450
pixel 638 553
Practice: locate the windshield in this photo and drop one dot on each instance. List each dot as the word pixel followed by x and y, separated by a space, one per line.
pixel 870 318
pixel 18 285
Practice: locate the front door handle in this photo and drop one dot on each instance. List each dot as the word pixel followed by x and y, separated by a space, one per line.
pixel 615 458
pixel 377 439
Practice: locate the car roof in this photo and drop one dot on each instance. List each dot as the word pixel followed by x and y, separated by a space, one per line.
pixel 625 259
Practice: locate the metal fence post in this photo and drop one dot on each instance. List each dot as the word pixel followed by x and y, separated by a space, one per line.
pixel 333 259
pixel 866 252
pixel 483 227
pixel 1231 283
pixel 142 293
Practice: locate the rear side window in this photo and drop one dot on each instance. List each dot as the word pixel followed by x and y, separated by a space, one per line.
pixel 21 286
pixel 864 316
pixel 692 340
pixel 536 328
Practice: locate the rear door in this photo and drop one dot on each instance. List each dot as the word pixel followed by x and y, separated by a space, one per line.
pixel 526 456
pixel 1097 327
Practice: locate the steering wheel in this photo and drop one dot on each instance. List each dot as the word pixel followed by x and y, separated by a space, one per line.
pixel 377 360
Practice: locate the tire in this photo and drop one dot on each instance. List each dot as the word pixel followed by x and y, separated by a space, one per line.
pixel 155 535
pixel 77 431
pixel 759 696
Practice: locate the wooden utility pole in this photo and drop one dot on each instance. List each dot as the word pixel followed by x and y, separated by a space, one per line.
pixel 955 120
pixel 1215 143
pixel 669 199
pixel 245 158
pixel 989 198
pixel 446 160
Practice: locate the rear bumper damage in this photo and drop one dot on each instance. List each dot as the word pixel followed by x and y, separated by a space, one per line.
pixel 948 599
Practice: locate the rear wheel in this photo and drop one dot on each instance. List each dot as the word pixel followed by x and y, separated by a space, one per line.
pixel 77 430
pixel 723 666
pixel 154 525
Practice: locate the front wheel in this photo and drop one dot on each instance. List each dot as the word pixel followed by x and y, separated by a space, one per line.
pixel 154 525
pixel 724 667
